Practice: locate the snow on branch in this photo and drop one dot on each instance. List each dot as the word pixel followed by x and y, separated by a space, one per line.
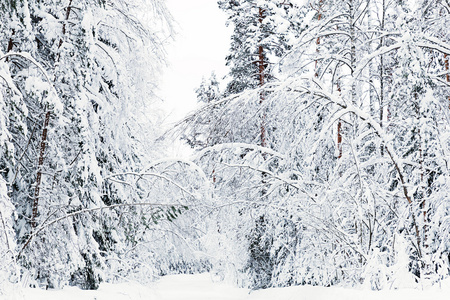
pixel 224 146
pixel 89 210
pixel 57 104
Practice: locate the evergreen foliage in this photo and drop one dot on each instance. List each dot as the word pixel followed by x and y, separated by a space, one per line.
pixel 77 130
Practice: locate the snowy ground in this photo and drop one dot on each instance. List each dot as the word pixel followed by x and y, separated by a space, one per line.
pixel 201 287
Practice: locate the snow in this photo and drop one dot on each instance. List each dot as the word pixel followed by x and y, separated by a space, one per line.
pixel 203 287
pixel 200 47
pixel 299 2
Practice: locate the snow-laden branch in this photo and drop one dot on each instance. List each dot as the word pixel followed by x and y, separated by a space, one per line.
pixel 386 139
pixel 205 107
pixel 27 56
pixel 437 47
pixel 350 108
pixel 151 174
pixel 270 174
pixel 89 210
pixel 379 52
pixel 193 166
pixel 440 44
pixel 224 146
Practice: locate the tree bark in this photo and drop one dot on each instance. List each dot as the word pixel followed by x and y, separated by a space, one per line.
pixel 44 135
pixel 10 42
pixel 447 76
pixel 383 15
pixel 339 131
pixel 261 75
pixel 64 30
pixel 39 169
pixel 319 17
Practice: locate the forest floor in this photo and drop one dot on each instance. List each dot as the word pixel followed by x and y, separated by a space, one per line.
pixel 202 287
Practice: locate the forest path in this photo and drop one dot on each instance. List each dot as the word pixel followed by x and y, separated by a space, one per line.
pixel 202 287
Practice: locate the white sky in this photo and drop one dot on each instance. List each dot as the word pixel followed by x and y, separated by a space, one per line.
pixel 200 47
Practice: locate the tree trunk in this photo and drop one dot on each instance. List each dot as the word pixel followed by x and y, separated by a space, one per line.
pixel 261 75
pixel 352 49
pixel 68 10
pixel 39 169
pixel 10 44
pixel 383 15
pixel 44 135
pixel 339 130
pixel 319 17
pixel 447 76
pixel 421 189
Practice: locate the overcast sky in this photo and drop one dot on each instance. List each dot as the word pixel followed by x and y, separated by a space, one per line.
pixel 200 47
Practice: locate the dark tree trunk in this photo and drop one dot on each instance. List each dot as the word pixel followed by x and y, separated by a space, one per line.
pixel 261 76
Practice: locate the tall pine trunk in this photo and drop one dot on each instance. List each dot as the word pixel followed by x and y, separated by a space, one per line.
pixel 45 130
pixel 261 77
pixel 447 76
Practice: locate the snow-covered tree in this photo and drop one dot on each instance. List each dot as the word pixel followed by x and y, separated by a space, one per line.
pixel 78 126
pixel 349 209
pixel 263 32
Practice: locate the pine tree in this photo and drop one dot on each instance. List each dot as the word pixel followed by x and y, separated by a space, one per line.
pixel 263 31
pixel 71 122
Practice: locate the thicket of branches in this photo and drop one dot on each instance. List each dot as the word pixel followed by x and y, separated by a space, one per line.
pixel 324 161
pixel 84 193
pixel 350 183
